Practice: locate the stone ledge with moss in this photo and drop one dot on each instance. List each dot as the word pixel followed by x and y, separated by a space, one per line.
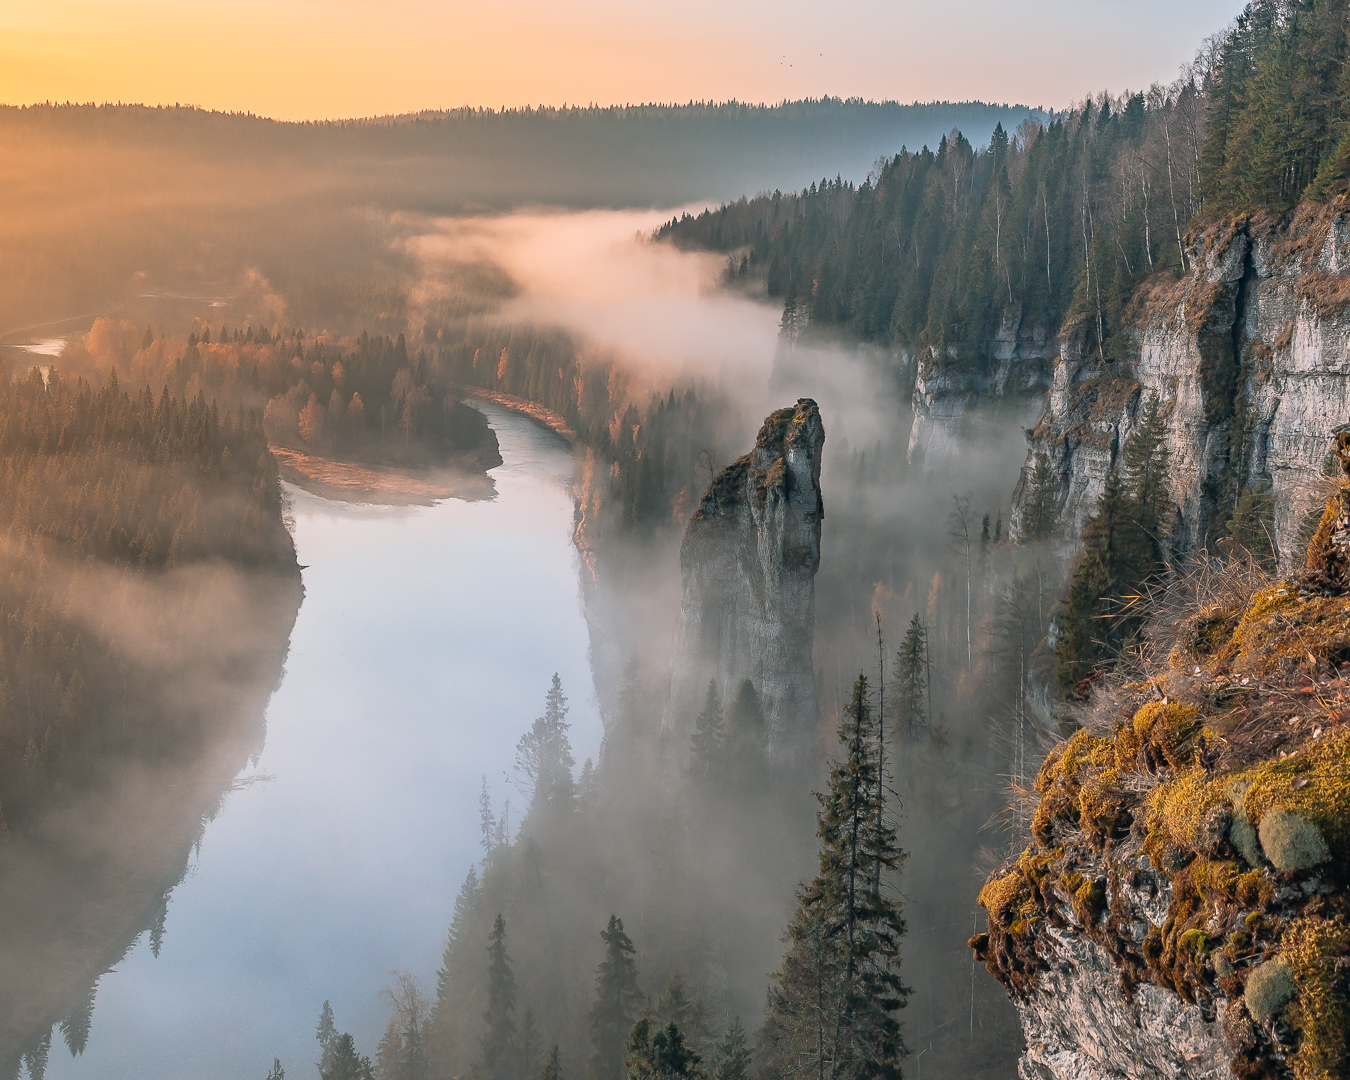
pixel 1181 909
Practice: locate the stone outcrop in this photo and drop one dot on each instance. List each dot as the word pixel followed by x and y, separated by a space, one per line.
pixel 1249 354
pixel 1181 908
pixel 748 565
pixel 954 395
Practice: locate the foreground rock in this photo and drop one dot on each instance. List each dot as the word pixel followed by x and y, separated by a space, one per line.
pixel 748 566
pixel 1183 907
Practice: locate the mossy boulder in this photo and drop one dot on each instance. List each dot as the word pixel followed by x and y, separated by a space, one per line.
pixel 1269 989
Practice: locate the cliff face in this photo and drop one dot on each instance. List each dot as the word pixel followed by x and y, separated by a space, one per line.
pixel 1183 906
pixel 1015 375
pixel 748 565
pixel 1249 354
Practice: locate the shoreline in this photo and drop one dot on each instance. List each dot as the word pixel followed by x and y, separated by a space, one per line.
pixel 382 485
pixel 555 422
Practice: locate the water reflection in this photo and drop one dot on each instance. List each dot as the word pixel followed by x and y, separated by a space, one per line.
pixel 424 646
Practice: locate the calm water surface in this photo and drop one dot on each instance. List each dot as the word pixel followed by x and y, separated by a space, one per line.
pixel 423 649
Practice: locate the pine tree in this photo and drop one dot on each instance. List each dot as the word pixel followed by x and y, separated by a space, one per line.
pixel 706 745
pixel 833 1002
pixel 661 1055
pixel 498 1047
pixel 552 1069
pixel 1144 464
pixel 730 1055
pixel 617 1003
pixel 276 1072
pixel 911 681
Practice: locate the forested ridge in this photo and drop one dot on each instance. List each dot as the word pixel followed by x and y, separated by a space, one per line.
pixel 365 397
pixel 98 485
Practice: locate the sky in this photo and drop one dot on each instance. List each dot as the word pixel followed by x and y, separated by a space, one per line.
pixel 322 59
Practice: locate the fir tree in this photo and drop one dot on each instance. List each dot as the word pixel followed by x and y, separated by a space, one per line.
pixel 833 1002
pixel 552 1069
pixel 617 1003
pixel 911 681
pixel 276 1072
pixel 730 1055
pixel 498 1047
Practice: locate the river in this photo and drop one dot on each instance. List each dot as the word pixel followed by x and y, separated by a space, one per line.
pixel 423 649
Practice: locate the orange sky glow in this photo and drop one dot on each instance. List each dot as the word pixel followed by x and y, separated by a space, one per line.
pixel 320 59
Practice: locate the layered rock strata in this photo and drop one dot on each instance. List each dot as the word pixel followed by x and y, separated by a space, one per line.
pixel 1249 355
pixel 954 396
pixel 748 564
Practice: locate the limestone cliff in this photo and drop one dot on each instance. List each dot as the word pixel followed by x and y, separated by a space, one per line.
pixel 748 565
pixel 951 393
pixel 1249 354
pixel 1182 908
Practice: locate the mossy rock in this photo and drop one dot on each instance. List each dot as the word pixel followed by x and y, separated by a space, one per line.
pixel 1270 988
pixel 1291 843
pixel 1314 948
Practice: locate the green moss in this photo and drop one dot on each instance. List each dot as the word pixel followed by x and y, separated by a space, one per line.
pixel 1269 989
pixel 1089 901
pixel 1314 950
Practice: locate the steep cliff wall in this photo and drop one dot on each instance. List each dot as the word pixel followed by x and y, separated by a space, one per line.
pixel 1183 906
pixel 748 565
pixel 1012 372
pixel 1249 354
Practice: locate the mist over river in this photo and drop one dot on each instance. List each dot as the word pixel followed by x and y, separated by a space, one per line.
pixel 422 651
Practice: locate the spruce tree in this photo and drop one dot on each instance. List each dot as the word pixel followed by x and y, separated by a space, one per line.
pixel 327 1035
pixel 1124 546
pixel 552 1069
pixel 730 1055
pixel 676 1005
pixel 910 685
pixel 459 980
pixel 544 761
pixel 346 1063
pixel 659 1055
pixel 498 1047
pixel 531 1045
pixel 617 1003
pixel 833 1001
pixel 1038 519
pixel 276 1072
pixel 706 745
pixel 744 735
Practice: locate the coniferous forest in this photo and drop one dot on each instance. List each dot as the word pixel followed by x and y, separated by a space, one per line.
pixel 659 912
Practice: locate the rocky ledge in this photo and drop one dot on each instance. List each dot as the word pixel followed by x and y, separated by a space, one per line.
pixel 1182 907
